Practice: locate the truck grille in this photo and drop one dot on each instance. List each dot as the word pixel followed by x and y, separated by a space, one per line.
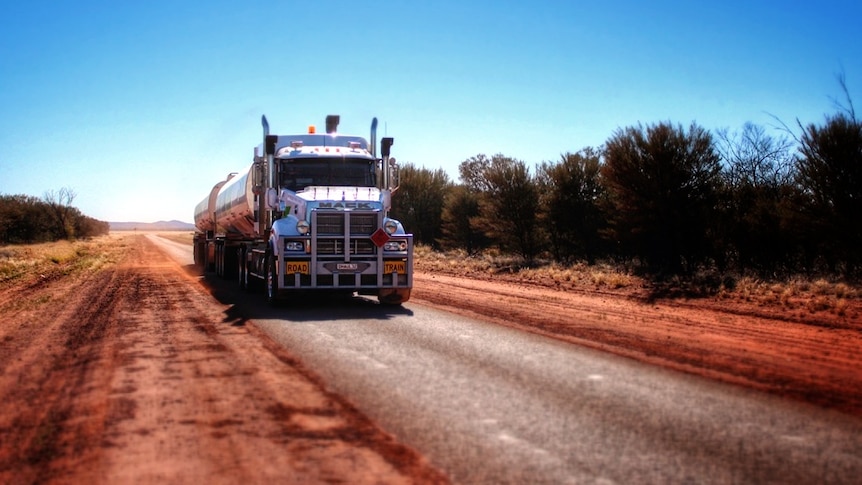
pixel 329 229
pixel 329 247
pixel 332 223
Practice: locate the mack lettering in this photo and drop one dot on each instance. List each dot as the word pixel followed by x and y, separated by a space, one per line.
pixel 346 205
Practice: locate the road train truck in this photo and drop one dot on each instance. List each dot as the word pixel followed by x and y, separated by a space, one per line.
pixel 310 214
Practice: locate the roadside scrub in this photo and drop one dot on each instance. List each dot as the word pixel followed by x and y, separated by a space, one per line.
pixel 814 295
pixel 21 263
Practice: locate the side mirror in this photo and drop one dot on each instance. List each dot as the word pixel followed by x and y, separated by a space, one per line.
pixel 394 176
pixel 386 146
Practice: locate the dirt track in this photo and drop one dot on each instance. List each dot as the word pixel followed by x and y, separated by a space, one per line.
pixel 135 373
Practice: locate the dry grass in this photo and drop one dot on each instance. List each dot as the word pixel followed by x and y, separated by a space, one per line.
pixel 492 264
pixel 818 295
pixel 60 258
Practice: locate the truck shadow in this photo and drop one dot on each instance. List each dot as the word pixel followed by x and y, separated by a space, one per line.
pixel 306 307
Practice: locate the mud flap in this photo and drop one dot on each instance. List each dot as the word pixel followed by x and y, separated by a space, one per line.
pixel 393 296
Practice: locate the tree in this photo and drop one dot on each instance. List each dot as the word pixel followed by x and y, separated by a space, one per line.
pixel 830 174
pixel 418 203
pixel 508 202
pixel 756 159
pixel 459 221
pixel 572 192
pixel 23 220
pixel 663 186
pixel 86 227
pixel 472 172
pixel 60 204
pixel 758 174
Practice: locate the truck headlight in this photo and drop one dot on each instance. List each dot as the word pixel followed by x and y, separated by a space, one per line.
pixel 396 245
pixel 390 227
pixel 302 227
pixel 294 246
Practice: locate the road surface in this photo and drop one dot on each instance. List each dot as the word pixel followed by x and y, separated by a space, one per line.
pixel 489 404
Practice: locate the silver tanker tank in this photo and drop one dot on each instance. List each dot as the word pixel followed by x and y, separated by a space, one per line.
pixel 234 205
pixel 205 210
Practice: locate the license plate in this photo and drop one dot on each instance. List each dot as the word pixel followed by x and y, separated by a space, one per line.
pixel 292 267
pixel 399 267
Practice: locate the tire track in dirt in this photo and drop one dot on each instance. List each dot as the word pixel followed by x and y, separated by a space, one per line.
pixel 136 374
pixel 51 380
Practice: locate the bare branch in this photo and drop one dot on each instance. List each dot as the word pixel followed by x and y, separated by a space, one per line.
pixel 841 77
pixel 783 127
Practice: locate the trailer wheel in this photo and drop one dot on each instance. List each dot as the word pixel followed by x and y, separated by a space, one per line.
pixel 219 259
pixel 209 256
pixel 206 257
pixel 229 257
pixel 242 268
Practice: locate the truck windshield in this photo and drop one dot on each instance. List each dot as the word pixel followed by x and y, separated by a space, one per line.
pixel 298 174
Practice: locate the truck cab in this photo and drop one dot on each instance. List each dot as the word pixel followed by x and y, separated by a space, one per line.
pixel 331 229
pixel 310 214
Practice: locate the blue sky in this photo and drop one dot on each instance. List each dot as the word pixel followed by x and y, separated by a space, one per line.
pixel 140 107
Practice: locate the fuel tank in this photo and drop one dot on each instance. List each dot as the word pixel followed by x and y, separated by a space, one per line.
pixel 235 206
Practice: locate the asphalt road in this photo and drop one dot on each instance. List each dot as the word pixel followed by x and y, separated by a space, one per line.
pixel 488 404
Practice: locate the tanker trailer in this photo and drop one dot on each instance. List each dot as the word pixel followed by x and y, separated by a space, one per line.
pixel 310 214
pixel 205 227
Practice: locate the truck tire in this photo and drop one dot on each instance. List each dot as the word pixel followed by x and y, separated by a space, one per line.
pixel 219 259
pixel 209 259
pixel 229 263
pixel 271 281
pixel 241 268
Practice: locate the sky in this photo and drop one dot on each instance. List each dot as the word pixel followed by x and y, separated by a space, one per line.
pixel 141 107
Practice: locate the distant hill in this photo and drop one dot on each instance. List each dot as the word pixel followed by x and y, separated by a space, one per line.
pixel 152 226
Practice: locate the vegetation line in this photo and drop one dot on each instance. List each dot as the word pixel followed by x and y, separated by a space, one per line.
pixel 662 201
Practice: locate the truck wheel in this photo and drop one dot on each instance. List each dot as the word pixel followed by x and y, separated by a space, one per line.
pixel 271 280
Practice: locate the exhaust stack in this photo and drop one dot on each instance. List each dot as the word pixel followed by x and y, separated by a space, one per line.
pixel 374 137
